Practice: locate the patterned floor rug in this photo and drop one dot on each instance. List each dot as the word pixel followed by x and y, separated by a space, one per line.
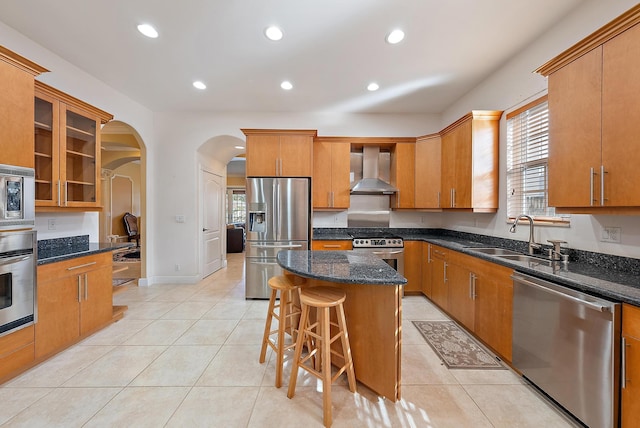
pixel 132 255
pixel 455 347
pixel 121 281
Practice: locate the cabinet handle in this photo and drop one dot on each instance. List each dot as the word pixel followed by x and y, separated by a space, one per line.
pixel 429 253
pixel 329 199
pixel 623 368
pixel 453 198
pixel 591 174
pixel 331 246
pixel 59 201
pixel 81 266
pixel 438 199
pixel 602 173
pixel 86 287
pixel 66 195
pixel 280 167
pixel 445 272
pixel 472 286
pixel 79 288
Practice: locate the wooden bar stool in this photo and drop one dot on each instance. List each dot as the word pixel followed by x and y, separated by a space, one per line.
pixel 287 312
pixel 322 299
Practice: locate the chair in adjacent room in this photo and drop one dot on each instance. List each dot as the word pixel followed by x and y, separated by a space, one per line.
pixel 131 226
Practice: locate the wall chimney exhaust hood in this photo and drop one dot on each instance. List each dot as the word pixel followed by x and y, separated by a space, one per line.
pixel 371 184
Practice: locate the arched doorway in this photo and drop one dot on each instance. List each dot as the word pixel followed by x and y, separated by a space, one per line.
pixel 123 190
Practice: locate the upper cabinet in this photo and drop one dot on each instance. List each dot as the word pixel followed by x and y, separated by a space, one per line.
pixel 594 120
pixel 331 174
pixel 470 162
pixel 16 108
pixel 67 151
pixel 428 171
pixel 279 153
pixel 403 166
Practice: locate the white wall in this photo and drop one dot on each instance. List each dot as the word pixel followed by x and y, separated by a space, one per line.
pixel 514 85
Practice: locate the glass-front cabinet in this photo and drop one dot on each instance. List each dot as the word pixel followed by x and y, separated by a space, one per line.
pixel 67 150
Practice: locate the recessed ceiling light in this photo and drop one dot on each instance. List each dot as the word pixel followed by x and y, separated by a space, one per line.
pixel 286 85
pixel 395 36
pixel 240 147
pixel 373 86
pixel 199 85
pixel 148 30
pixel 273 33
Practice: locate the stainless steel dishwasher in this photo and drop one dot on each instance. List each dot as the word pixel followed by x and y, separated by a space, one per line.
pixel 567 344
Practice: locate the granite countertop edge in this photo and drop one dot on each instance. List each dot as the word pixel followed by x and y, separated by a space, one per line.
pixel 579 276
pixel 59 255
pixel 360 273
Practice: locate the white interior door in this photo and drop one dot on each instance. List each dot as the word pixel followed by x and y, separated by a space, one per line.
pixel 212 203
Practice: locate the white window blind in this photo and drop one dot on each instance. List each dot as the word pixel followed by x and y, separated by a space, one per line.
pixel 527 162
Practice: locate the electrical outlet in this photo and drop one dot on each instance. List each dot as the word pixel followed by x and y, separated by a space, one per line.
pixel 611 234
pixel 177 267
pixel 180 219
pixel 52 224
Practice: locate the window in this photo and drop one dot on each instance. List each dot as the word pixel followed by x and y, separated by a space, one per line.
pixel 527 163
pixel 236 206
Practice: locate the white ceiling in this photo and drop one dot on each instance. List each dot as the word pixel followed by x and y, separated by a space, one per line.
pixel 330 51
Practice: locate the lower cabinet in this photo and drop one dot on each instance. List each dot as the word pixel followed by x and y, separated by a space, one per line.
pixel 630 376
pixel 476 293
pixel 413 266
pixel 16 351
pixel 74 299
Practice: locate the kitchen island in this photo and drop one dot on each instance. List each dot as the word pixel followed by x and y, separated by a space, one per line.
pixel 373 309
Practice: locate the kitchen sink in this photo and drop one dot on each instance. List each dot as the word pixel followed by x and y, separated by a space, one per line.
pixel 524 258
pixel 495 251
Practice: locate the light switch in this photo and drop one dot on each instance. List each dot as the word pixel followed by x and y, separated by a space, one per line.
pixel 180 219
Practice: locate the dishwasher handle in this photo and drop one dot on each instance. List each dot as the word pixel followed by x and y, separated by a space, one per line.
pixel 590 305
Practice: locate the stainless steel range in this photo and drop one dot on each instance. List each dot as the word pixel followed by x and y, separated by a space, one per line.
pixel 388 247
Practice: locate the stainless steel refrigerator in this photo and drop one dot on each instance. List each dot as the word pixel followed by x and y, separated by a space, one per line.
pixel 278 218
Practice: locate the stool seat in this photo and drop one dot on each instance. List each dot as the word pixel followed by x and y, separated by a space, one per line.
pixel 318 335
pixel 323 297
pixel 287 312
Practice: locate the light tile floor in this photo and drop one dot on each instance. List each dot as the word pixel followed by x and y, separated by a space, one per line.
pixel 187 356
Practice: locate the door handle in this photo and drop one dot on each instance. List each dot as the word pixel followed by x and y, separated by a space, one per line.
pixel 204 229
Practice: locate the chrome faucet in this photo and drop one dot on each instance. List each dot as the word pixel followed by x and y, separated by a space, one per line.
pixel 532 243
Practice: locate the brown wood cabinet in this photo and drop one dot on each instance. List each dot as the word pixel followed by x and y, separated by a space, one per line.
pixel 67 150
pixel 16 352
pixel 470 162
pixel 476 293
pixel 413 267
pixel 330 182
pixel 16 108
pixel 74 300
pixel 439 262
pixel 428 171
pixel 594 120
pixel 403 164
pixel 319 245
pixel 630 372
pixel 279 153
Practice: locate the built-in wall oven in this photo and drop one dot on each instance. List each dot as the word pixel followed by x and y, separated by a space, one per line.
pixel 388 248
pixel 17 280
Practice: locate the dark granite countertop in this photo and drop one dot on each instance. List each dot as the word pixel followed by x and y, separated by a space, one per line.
pixel 610 277
pixel 60 249
pixel 340 266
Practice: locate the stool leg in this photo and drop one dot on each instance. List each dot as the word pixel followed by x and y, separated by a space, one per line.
pixel 326 365
pixel 298 350
pixel 282 324
pixel 267 326
pixel 346 349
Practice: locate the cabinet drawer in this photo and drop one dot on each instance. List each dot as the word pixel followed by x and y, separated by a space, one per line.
pixel 74 266
pixel 631 321
pixel 16 350
pixel 331 245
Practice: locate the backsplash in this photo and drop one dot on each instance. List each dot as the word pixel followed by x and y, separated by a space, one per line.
pixel 58 246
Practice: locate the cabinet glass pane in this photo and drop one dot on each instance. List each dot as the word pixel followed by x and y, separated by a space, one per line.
pixel 44 149
pixel 80 158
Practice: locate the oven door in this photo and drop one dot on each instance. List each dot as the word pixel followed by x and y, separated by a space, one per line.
pixel 17 285
pixel 394 257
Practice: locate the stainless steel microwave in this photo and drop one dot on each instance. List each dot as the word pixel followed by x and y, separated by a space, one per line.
pixel 17 197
